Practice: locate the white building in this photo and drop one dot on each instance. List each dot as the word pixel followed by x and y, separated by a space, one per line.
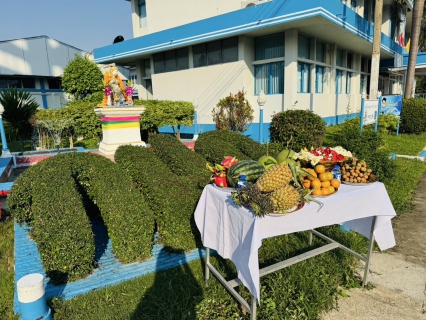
pixel 310 54
pixel 37 65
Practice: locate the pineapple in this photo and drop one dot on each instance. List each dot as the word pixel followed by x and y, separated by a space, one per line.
pixel 274 178
pixel 285 198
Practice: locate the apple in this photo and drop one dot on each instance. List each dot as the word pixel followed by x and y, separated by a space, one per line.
pixel 267 161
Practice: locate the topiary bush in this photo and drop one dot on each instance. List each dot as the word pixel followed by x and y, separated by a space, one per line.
pixel 49 198
pixel 214 149
pixel 366 145
pixel 413 116
pixel 297 128
pixel 172 198
pixel 180 160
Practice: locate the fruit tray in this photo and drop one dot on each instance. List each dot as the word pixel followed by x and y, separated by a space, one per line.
pixel 326 195
pixel 360 184
pixel 280 213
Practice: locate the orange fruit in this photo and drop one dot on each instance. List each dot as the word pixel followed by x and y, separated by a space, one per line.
pixel 325 191
pixel 335 183
pixel 317 192
pixel 325 184
pixel 323 176
pixel 329 175
pixel 306 184
pixel 331 189
pixel 312 172
pixel 319 168
pixel 316 184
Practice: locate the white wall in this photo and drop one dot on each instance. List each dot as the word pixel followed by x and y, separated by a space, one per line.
pixel 165 14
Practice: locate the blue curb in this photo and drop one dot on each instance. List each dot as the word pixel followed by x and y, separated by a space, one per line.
pixel 110 271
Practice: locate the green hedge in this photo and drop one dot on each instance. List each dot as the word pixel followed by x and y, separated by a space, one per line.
pixel 211 147
pixel 299 128
pixel 172 198
pixel 413 116
pixel 49 197
pixel 214 145
pixel 45 196
pixel 180 160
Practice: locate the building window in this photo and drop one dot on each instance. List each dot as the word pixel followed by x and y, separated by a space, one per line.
pixel 304 47
pixel 303 77
pixel 148 86
pixel 147 68
pixel 54 83
pixel 17 82
pixel 320 56
pixel 348 82
pixel 339 58
pixel 353 5
pixel 269 47
pixel 363 84
pixel 339 75
pixel 319 79
pixel 349 60
pixel 216 52
pixel 269 77
pixel 142 13
pixel 169 61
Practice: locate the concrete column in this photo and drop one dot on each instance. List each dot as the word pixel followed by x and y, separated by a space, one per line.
pixel 290 64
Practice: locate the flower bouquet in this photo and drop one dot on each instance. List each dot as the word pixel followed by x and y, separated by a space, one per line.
pixel 129 92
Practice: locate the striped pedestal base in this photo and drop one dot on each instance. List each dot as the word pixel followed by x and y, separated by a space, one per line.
pixel 120 126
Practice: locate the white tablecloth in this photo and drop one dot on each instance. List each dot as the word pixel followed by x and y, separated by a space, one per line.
pixel 236 233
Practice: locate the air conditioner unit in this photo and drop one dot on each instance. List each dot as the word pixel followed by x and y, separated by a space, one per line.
pixel 250 3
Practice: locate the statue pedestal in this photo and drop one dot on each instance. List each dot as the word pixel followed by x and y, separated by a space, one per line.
pixel 120 126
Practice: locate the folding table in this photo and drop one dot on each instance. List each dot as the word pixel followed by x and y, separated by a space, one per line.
pixel 236 233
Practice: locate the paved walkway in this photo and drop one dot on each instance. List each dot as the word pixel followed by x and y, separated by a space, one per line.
pixel 399 274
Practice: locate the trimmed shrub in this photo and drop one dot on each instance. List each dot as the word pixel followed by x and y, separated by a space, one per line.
pixel 180 160
pixel 160 113
pixel 49 197
pixel 297 128
pixel 413 116
pixel 366 145
pixel 172 198
pixel 214 149
pixel 46 197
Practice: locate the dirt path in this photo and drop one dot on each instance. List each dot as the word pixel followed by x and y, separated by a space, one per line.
pixel 399 274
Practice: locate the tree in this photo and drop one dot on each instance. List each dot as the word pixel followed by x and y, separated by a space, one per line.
pixel 19 108
pixel 82 77
pixel 414 46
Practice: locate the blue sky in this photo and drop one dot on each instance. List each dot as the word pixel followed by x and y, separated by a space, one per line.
pixel 84 24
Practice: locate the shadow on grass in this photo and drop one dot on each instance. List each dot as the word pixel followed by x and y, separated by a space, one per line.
pixel 173 294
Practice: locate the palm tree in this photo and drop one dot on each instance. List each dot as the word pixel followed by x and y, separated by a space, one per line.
pixel 414 46
pixel 19 107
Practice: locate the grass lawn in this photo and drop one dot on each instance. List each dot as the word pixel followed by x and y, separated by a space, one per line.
pixel 298 292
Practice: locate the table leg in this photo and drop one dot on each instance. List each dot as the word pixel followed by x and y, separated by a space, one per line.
pixel 253 307
pixel 207 270
pixel 370 251
pixel 310 237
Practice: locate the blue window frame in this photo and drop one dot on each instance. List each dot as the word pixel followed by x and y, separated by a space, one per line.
pixel 269 47
pixel 339 75
pixel 269 77
pixel 303 77
pixel 348 82
pixel 142 13
pixel 319 82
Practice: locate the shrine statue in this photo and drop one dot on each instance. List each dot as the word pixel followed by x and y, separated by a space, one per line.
pixel 115 91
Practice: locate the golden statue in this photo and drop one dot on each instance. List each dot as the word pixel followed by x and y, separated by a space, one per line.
pixel 115 92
